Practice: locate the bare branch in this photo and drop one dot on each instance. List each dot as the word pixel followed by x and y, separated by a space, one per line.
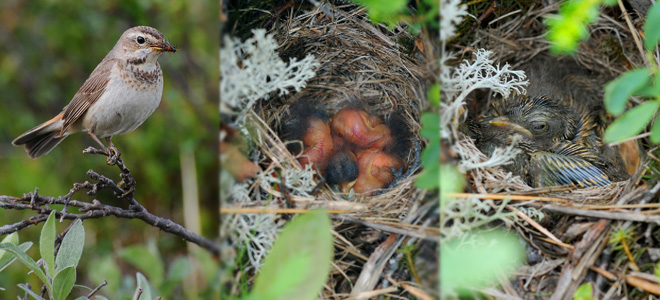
pixel 124 189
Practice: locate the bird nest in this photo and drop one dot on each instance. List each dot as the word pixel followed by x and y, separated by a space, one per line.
pixel 520 39
pixel 559 255
pixel 360 65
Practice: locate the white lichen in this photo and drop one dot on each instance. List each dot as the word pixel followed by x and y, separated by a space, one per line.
pixel 499 157
pixel 481 73
pixel 452 15
pixel 252 70
pixel 298 182
pixel 254 232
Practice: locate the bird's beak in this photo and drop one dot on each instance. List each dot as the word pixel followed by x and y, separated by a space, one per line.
pixel 164 47
pixel 505 123
pixel 346 186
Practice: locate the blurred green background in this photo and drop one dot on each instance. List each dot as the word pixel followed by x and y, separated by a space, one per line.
pixel 47 50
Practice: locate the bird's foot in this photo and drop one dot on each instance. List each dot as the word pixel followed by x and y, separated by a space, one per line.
pixel 113 155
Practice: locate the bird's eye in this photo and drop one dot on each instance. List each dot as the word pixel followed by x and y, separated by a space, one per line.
pixel 140 40
pixel 539 126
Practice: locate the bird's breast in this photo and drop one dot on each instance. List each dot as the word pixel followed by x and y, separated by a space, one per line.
pixel 130 97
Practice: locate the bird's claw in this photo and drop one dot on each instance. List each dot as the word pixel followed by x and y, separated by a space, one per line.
pixel 113 155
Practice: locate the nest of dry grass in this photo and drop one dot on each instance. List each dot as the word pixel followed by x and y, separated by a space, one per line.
pixel 384 72
pixel 360 63
pixel 564 245
pixel 519 39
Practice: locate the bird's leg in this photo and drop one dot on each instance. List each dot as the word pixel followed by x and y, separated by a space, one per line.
pixel 111 152
pixel 93 150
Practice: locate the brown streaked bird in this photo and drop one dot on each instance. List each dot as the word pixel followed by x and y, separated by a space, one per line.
pixel 119 95
pixel 558 139
pixel 361 129
pixel 377 171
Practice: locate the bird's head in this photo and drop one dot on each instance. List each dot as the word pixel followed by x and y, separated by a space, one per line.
pixel 537 120
pixel 143 44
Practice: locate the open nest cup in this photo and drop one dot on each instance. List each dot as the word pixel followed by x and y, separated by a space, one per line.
pixel 520 41
pixel 362 66
pixel 566 241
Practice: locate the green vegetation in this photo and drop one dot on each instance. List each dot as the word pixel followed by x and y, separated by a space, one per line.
pixel 300 271
pixel 49 48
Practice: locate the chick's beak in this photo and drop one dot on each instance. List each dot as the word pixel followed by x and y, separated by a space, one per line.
pixel 505 123
pixel 164 47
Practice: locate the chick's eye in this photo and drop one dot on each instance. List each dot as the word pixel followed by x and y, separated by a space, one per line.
pixel 540 126
pixel 140 40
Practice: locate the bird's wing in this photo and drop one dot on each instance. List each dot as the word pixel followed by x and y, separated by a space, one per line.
pixel 552 169
pixel 88 93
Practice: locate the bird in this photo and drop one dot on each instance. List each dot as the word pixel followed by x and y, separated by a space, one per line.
pixel 377 169
pixel 558 141
pixel 558 126
pixel 119 95
pixel 342 168
pixel 350 148
pixel 310 123
pixel 363 130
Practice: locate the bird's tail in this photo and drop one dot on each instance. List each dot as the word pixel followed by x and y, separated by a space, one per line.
pixel 43 138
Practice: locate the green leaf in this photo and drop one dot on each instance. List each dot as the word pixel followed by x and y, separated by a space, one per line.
pixel 147 261
pixel 47 244
pixel 631 123
pixel 430 176
pixel 4 256
pixel 9 258
pixel 583 292
pixel 652 28
pixel 27 261
pixel 655 131
pixel 71 248
pixel 29 291
pixel 142 283
pixel 297 272
pixel 451 181
pixel 570 26
pixel 105 267
pixel 619 90
pixel 177 271
pixel 63 282
pixel 430 126
pixel 477 260
pixel 379 10
pixel 433 94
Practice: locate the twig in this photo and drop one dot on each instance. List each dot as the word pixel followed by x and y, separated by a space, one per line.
pixel 96 209
pixel 96 289
pixel 510 197
pixel 268 210
pixel 388 228
pixel 637 217
pixel 638 43
pixel 540 228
